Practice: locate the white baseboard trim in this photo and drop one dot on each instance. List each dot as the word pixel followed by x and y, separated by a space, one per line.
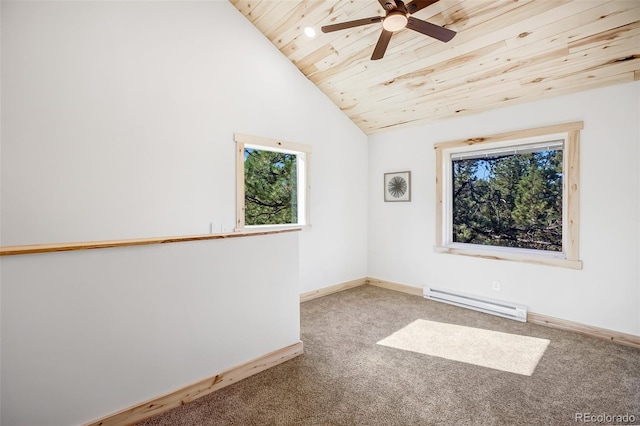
pixel 310 295
pixel 161 404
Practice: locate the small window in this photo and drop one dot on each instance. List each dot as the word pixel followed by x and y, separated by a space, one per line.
pixel 511 196
pixel 272 182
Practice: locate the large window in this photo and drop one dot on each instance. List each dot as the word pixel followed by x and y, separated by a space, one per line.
pixel 511 196
pixel 272 182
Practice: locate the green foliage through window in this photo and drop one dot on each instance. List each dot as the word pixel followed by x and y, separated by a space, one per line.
pixel 271 187
pixel 509 200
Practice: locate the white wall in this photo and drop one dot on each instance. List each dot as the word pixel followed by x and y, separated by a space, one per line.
pixel 606 293
pixel 88 333
pixel 118 122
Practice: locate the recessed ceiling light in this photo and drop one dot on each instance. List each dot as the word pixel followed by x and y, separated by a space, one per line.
pixel 309 32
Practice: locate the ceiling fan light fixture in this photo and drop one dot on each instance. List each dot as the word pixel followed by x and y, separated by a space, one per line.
pixel 395 21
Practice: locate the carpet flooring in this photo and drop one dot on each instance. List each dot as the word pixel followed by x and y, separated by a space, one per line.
pixel 346 378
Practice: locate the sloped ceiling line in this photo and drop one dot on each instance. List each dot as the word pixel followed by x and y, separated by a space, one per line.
pixel 505 52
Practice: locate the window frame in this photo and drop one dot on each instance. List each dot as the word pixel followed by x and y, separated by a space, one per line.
pixel 569 257
pixel 302 151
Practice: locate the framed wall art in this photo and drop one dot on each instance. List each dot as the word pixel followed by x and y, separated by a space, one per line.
pixel 397 186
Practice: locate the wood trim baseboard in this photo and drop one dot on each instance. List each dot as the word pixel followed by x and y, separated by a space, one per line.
pixel 46 248
pixel 161 404
pixel 325 291
pixel 547 321
pixel 403 288
pixel 587 330
pixel 533 318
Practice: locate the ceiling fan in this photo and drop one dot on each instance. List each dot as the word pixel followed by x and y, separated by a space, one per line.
pixel 396 19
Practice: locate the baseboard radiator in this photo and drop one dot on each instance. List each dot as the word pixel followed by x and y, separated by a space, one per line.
pixel 494 307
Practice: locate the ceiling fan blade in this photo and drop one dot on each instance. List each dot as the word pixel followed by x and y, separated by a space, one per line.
pixel 388 4
pixel 351 24
pixel 432 30
pixel 417 5
pixel 382 44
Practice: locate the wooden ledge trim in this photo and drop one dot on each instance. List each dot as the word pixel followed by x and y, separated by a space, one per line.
pixel 161 404
pixel 46 248
pixel 587 330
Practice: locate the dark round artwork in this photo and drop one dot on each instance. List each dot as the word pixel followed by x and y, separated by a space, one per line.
pixel 397 186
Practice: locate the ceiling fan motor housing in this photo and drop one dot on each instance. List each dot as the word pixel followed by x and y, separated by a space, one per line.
pixel 395 21
pixel 396 18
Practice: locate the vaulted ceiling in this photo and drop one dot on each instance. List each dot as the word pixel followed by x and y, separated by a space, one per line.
pixel 505 52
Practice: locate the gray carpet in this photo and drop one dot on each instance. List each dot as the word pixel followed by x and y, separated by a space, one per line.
pixel 345 378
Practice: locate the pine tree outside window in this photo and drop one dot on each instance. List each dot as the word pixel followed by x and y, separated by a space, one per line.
pixel 272 182
pixel 512 196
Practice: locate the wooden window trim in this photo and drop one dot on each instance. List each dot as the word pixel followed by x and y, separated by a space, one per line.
pixel 241 141
pixel 571 197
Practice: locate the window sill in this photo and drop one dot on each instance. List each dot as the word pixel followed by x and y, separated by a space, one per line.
pixel 514 257
pixel 258 228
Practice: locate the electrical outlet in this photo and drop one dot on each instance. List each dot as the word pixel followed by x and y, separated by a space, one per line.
pixel 496 285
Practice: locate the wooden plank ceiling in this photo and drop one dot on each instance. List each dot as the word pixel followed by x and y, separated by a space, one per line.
pixel 505 52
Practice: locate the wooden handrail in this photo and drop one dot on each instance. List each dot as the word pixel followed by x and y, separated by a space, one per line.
pixel 46 248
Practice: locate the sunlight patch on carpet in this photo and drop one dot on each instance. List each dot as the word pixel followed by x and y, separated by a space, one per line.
pixel 501 351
